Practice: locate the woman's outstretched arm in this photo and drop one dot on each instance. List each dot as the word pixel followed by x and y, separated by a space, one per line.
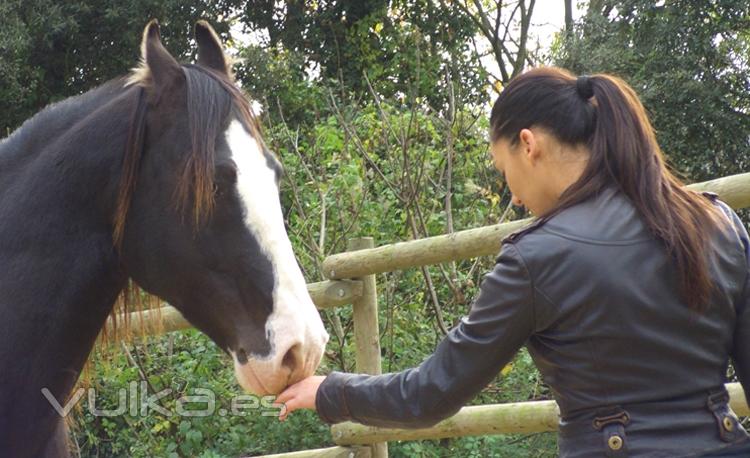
pixel 469 357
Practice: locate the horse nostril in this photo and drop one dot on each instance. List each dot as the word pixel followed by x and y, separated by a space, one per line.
pixel 293 358
pixel 241 356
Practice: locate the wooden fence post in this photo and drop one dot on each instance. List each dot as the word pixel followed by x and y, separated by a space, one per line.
pixel 366 331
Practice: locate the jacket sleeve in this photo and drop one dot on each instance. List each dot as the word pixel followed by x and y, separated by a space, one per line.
pixel 500 321
pixel 741 346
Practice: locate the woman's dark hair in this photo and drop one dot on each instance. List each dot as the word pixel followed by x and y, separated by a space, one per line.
pixel 604 113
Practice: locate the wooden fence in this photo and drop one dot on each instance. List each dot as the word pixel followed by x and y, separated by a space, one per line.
pixel 352 280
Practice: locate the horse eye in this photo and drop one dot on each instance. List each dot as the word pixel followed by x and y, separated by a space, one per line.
pixel 226 173
pixel 216 191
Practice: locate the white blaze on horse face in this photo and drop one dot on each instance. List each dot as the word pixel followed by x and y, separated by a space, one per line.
pixel 294 325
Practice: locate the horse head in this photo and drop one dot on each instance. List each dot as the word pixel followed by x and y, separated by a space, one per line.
pixel 199 221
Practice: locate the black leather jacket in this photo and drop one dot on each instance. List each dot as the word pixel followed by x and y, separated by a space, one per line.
pixel 594 297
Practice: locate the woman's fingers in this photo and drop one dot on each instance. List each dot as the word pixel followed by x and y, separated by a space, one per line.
pixel 288 401
pixel 285 395
pixel 301 395
pixel 287 408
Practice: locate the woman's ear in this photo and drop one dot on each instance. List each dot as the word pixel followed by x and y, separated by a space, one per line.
pixel 529 144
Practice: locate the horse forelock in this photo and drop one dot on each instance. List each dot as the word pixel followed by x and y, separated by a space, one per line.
pixel 211 98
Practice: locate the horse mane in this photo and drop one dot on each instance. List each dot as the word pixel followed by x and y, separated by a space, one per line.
pixel 130 165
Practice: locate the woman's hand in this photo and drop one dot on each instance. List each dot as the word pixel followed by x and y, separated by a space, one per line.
pixel 301 395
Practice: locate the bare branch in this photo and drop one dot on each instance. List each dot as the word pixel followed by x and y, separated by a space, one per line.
pixel 492 22
pixel 359 146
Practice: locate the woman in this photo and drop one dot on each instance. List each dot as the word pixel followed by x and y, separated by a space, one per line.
pixel 629 291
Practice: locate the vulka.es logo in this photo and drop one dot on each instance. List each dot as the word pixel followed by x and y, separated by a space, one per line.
pixel 136 401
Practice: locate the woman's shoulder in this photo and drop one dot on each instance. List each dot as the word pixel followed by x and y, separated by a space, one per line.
pixel 735 236
pixel 604 227
pixel 605 218
pixel 736 222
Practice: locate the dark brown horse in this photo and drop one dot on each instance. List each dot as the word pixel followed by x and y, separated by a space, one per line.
pixel 160 177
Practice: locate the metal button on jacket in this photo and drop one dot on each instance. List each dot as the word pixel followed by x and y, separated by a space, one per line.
pixel 615 442
pixel 728 424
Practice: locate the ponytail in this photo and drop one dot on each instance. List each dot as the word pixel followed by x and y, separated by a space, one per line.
pixel 605 114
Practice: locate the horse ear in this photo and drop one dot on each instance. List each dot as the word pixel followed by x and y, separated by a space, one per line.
pixel 210 52
pixel 158 65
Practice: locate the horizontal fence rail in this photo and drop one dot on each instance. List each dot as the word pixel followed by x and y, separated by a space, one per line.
pixel 512 418
pixel 332 452
pixel 324 294
pixel 481 241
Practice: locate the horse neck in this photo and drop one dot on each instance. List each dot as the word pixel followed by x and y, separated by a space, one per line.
pixel 60 274
pixel 53 121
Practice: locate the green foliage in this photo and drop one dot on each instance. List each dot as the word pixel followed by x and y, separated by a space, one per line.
pixel 183 362
pixel 51 50
pixel 410 49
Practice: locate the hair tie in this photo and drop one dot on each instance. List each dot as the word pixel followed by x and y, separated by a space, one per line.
pixel 584 87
